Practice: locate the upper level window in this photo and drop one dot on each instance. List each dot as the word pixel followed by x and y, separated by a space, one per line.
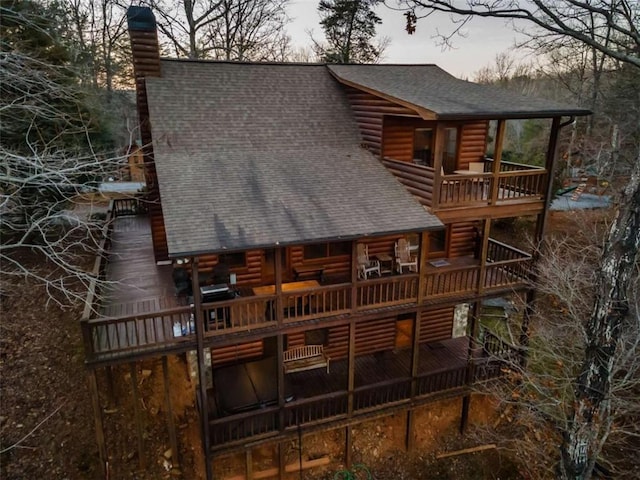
pixel 237 259
pixel 323 250
pixel 450 149
pixel 423 146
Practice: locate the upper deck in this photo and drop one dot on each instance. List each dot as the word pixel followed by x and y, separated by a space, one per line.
pixel 136 312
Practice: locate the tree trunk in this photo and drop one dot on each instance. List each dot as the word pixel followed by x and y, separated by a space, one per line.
pixel 590 416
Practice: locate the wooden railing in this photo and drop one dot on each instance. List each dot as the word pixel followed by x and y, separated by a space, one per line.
pixel 434 382
pixel 333 406
pixel 387 291
pixel 498 357
pixel 137 333
pixel 237 427
pixel 318 302
pixel 460 190
pixel 384 393
pixel 506 265
pixel 519 185
pixel 239 314
pixel 452 281
pixel 509 166
pixel 128 206
pixel 307 411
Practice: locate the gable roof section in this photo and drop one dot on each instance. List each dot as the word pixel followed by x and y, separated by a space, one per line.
pixel 257 155
pixel 435 94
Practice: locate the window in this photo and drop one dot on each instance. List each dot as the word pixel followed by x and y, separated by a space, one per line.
pixel 437 242
pixel 238 259
pixel 324 250
pixel 319 336
pixel 423 146
pixel 450 149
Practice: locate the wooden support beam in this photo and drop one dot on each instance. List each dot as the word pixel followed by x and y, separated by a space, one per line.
pixel 354 276
pixel 97 418
pixel 280 380
pixel 486 232
pixel 136 412
pixel 410 437
pixel 552 149
pixel 202 374
pixel 415 351
pixel 171 426
pixel 464 415
pixel 497 157
pixel 348 445
pixel 279 302
pixel 290 468
pixel 351 366
pixel 281 460
pixel 248 462
pixel 437 164
pixel 467 450
pixel 424 252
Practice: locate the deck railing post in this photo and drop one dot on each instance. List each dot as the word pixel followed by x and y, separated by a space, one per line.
pixel 497 156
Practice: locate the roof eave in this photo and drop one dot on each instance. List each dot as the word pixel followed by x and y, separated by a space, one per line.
pixel 424 113
pixel 195 253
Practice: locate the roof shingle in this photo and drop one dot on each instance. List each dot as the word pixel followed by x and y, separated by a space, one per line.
pixel 256 155
pixel 431 88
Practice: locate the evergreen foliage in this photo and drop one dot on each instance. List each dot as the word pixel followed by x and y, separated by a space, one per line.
pixel 349 27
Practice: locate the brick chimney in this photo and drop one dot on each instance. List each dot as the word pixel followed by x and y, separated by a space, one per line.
pixel 146 63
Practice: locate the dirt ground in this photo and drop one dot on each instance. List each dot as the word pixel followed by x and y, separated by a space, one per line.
pixel 47 427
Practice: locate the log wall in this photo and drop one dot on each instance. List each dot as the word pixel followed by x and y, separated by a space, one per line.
pixel 369 111
pixel 436 324
pixel 473 143
pixel 461 240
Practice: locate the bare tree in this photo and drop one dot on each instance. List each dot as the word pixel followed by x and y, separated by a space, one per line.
pixel 46 159
pixel 222 29
pixel 100 30
pixel 250 30
pixel 608 26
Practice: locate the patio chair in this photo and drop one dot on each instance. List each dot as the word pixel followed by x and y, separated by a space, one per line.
pixel 365 265
pixel 404 257
pixel 477 167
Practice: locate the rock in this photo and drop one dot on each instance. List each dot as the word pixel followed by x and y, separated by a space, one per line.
pixel 175 472
pixel 146 373
pixel 167 454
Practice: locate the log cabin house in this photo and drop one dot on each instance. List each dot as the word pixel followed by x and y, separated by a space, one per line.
pixel 309 234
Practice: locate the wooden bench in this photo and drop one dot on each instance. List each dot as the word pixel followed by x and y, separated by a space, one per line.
pixel 306 357
pixel 309 271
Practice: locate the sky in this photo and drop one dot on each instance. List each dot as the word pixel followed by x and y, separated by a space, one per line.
pixel 485 38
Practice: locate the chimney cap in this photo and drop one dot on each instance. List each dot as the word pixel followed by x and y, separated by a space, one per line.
pixel 141 18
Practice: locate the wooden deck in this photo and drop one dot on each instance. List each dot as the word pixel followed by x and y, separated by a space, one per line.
pixel 140 314
pixel 138 285
pixel 382 383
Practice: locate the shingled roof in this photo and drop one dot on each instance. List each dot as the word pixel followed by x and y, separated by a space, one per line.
pixel 257 155
pixel 435 94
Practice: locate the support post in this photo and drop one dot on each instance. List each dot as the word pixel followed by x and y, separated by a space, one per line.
pixel 281 461
pixel 348 440
pixel 171 426
pixel 279 363
pixel 248 461
pixel 422 270
pixel 497 157
pixel 541 225
pixel 136 412
pixel 279 303
pixel 354 276
pixel 97 418
pixel 409 437
pixel 202 374
pixel 437 165
pixel 464 416
pixel 351 371
pixel 486 231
